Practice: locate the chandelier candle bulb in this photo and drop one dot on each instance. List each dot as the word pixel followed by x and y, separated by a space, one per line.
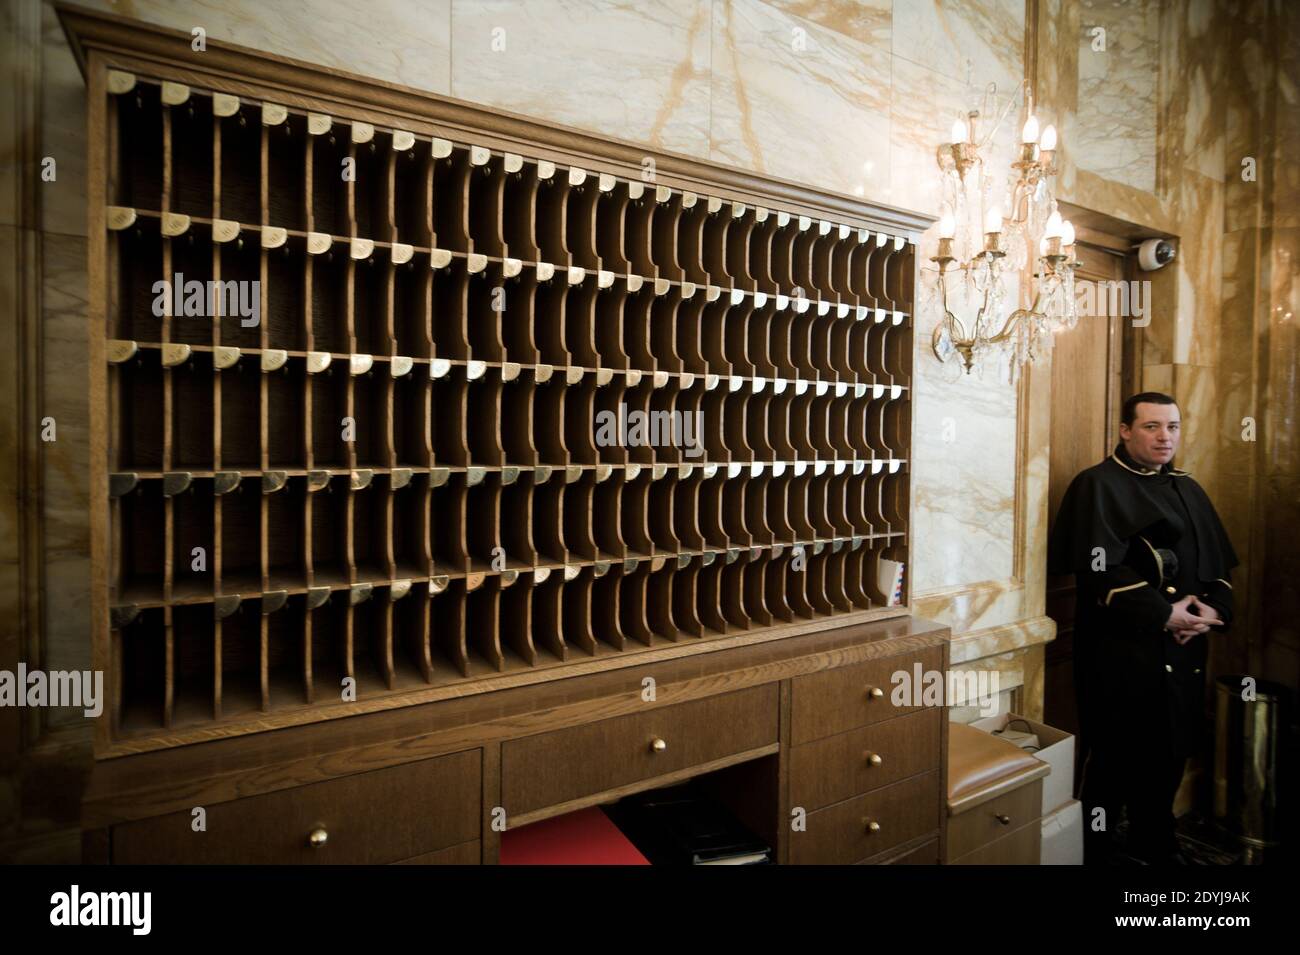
pixel 1047 146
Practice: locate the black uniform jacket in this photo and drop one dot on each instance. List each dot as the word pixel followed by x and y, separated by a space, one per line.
pixel 1118 526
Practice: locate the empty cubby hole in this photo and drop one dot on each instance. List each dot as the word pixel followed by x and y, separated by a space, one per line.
pixel 412 427
pixel 140 142
pixel 485 198
pixel 450 398
pixel 141 650
pixel 136 402
pixel 373 187
pixel 192 414
pixel 413 194
pixel 579 325
pixel 409 529
pixel 447 526
pixel 451 201
pixel 370 532
pixel 519 214
pixel 286 536
pixel 241 278
pixel 483 524
pixel 140 544
pixel 329 320
pixel 485 413
pixel 241 167
pixel 329 409
pixel 329 199
pixel 370 307
pixel 193 541
pixel 516 523
pixel 194 664
pixel 189 287
pixel 286 277
pixel 192 157
pixel 136 309
pixel 517 424
pixel 449 318
pixel 370 408
pixel 241 660
pixel 286 187
pixel 412 309
pixel 241 399
pixel 547 502
pixel 286 655
pixel 241 537
pixel 328 624
pixel 484 322
pixel 329 533
pixel 286 394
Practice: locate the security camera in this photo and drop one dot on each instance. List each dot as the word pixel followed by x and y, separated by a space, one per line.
pixel 1155 254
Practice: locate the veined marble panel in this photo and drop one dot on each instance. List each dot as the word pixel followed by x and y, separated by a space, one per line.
pixel 63 131
pixel 1115 128
pixel 635 71
pixel 401 41
pixel 1200 263
pixel 867 21
pixel 964 473
pixel 795 100
pixel 976 42
pixel 1202 93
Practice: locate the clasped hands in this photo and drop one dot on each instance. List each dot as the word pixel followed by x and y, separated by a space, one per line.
pixel 1190 617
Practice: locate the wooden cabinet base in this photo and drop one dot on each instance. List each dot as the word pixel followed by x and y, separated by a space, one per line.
pixel 435 784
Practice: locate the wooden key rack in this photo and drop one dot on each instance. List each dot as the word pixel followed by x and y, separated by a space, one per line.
pixel 353 459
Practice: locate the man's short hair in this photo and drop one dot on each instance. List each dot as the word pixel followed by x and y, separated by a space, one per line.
pixel 1147 397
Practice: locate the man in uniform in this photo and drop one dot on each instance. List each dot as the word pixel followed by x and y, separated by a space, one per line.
pixel 1152 567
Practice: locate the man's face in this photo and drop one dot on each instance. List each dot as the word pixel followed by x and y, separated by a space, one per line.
pixel 1152 439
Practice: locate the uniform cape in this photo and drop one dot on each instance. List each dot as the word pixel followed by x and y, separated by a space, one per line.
pixel 1108 505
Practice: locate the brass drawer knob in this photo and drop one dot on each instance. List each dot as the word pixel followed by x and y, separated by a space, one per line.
pixel 875 692
pixel 873 759
pixel 873 826
pixel 1003 818
pixel 658 745
pixel 318 837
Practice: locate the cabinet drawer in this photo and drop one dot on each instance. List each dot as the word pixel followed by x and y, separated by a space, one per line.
pixel 833 769
pixel 1022 847
pixel 927 854
pixel 370 818
pixel 982 824
pixel 467 853
pixel 553 768
pixel 833 701
pixel 840 834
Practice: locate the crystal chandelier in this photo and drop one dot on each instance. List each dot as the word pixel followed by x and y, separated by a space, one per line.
pixel 989 228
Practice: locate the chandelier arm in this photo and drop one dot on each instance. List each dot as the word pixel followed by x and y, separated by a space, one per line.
pixel 947 312
pixel 1011 101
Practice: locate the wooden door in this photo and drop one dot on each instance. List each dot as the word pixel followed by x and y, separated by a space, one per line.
pixel 1089 380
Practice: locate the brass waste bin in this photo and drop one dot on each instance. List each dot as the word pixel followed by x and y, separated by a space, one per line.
pixel 1248 746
